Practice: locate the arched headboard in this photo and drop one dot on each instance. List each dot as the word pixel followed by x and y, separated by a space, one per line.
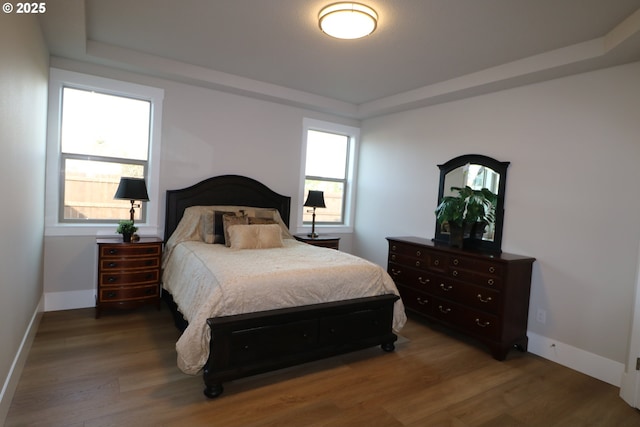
pixel 232 190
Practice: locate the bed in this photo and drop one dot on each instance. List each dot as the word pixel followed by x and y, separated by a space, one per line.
pixel 226 339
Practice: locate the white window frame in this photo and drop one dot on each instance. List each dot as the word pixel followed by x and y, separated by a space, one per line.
pixel 349 191
pixel 58 79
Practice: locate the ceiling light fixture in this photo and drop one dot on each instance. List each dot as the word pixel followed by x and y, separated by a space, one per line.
pixel 348 20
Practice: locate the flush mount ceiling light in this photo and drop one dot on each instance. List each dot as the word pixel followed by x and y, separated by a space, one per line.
pixel 348 20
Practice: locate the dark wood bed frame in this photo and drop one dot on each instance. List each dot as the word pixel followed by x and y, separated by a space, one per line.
pixel 249 344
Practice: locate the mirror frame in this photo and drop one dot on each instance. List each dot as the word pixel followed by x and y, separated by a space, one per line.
pixel 501 169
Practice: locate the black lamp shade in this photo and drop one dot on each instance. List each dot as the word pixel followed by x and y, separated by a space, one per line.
pixel 132 189
pixel 315 199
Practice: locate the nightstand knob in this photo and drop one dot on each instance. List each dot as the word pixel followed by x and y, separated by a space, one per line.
pixel 490 282
pixel 418 253
pixel 393 257
pixel 482 324
pixel 151 262
pixel 417 263
pixel 112 279
pixel 393 248
pixel 456 262
pixel 436 262
pixel 492 269
pixel 111 294
pixel 422 301
pixel 112 264
pixel 150 291
pixel 423 281
pixel 150 250
pixel 113 251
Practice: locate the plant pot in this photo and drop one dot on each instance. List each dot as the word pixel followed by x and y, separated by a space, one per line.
pixel 456 235
pixel 126 237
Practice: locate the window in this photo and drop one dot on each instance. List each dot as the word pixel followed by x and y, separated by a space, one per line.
pixel 99 131
pixel 329 165
pixel 103 138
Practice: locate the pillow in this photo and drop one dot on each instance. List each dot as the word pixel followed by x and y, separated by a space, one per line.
pixel 258 236
pixel 207 227
pixel 229 220
pixel 257 220
pixel 217 225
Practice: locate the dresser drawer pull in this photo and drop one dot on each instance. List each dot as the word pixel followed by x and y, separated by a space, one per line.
pixel 112 264
pixel 393 257
pixel 436 262
pixel 113 251
pixel 455 273
pixel 417 263
pixel 151 262
pixel 112 279
pixel 393 247
pixel 487 299
pixel 482 324
pixel 418 253
pixel 490 282
pixel 111 294
pixel 456 262
pixel 492 269
pixel 446 288
pixel 423 281
pixel 422 301
pixel 151 250
pixel 149 276
pixel 396 272
pixel 150 291
pixel 444 310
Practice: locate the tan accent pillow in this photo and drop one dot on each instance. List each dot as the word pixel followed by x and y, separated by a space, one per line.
pixel 258 236
pixel 229 220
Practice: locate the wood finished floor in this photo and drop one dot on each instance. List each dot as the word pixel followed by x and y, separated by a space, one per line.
pixel 120 370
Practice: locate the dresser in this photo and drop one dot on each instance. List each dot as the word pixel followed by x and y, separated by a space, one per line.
pixel 323 241
pixel 485 296
pixel 128 273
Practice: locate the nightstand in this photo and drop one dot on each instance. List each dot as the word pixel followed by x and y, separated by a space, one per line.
pixel 128 273
pixel 324 241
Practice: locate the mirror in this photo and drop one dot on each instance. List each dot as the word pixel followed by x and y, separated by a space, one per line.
pixel 476 171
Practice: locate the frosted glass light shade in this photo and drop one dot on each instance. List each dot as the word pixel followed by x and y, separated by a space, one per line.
pixel 348 20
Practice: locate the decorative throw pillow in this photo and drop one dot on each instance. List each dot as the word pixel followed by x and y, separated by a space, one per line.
pixel 217 225
pixel 229 220
pixel 257 236
pixel 258 220
pixel 206 227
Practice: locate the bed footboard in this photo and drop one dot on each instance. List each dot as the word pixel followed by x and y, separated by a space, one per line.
pixel 249 344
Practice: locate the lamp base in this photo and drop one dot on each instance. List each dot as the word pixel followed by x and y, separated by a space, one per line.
pixel 313 235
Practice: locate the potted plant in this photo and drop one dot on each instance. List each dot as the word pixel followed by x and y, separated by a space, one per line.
pixel 466 214
pixel 126 228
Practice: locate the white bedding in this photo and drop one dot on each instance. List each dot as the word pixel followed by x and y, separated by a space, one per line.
pixel 210 280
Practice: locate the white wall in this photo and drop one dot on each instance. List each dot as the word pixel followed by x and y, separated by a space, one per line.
pixel 204 133
pixel 572 198
pixel 23 103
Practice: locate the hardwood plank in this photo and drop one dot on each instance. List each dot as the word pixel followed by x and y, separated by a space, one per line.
pixel 121 370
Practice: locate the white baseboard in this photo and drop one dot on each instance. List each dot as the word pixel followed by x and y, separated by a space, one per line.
pixel 15 372
pixel 54 301
pixel 595 366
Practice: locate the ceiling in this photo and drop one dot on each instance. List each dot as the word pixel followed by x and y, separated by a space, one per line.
pixel 423 51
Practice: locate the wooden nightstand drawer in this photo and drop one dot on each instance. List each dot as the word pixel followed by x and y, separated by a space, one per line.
pixel 128 273
pixel 127 264
pixel 128 279
pixel 132 250
pixel 127 294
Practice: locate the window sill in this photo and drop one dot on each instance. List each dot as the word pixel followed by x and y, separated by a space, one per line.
pixel 97 230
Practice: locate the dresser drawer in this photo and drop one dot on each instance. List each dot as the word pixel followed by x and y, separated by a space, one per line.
pixel 494 282
pixel 127 279
pixel 474 322
pixel 417 257
pixel 130 263
pixel 475 265
pixel 489 300
pixel 132 250
pixel 415 300
pixel 418 279
pixel 128 294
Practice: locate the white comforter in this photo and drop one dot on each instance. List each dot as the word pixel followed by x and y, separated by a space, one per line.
pixel 210 280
